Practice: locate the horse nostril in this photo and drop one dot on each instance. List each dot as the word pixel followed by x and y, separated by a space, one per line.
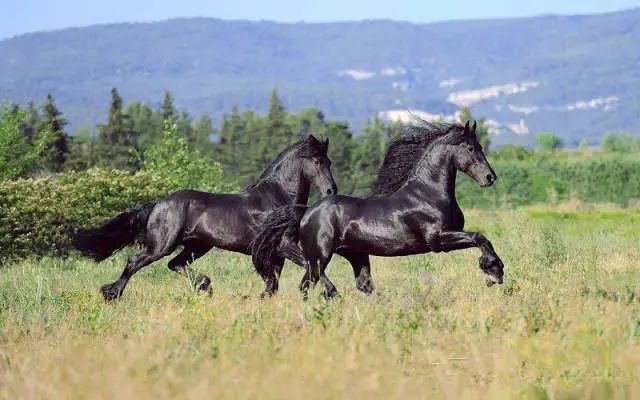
pixel 490 178
pixel 329 191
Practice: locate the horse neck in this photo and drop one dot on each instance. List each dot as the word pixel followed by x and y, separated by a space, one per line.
pixel 287 177
pixel 437 173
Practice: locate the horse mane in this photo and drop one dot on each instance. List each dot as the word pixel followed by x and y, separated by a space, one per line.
pixel 405 152
pixel 305 148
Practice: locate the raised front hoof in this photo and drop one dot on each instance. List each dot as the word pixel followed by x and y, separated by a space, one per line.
pixel 493 267
pixel 110 292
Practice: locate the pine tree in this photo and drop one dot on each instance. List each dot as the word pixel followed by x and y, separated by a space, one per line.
pixel 81 150
pixel 116 142
pixel 308 121
pixel 146 122
pixel 31 122
pixel 228 148
pixel 167 108
pixel 183 125
pixel 278 133
pixel 57 147
pixel 369 153
pixel 340 153
pixel 202 131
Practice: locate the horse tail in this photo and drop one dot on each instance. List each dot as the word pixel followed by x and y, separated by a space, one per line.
pixel 278 239
pixel 125 228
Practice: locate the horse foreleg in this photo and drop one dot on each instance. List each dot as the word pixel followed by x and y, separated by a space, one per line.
pixel 361 270
pixel 187 256
pixel 489 261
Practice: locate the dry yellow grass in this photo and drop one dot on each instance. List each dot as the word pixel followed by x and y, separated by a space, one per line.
pixel 565 325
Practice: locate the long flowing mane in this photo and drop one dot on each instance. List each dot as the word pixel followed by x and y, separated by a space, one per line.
pixel 301 149
pixel 405 152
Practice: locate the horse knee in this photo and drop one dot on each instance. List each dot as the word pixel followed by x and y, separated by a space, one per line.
pixel 433 241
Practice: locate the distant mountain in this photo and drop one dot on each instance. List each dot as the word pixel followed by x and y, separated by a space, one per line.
pixel 576 75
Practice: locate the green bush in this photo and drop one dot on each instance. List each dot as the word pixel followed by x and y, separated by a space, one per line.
pixel 36 215
pixel 546 180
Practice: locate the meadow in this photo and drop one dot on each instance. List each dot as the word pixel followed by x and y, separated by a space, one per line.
pixel 566 323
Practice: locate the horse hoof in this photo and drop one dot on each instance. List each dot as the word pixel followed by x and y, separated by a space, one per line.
pixel 205 284
pixel 365 287
pixel 110 292
pixel 330 295
pixel 267 294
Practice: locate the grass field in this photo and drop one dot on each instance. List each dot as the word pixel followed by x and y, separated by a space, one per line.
pixel 566 323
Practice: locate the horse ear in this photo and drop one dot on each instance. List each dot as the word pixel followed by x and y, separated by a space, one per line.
pixel 326 142
pixel 466 128
pixel 312 139
pixel 475 125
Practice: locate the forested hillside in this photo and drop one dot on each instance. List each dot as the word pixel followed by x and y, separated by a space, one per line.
pixel 575 75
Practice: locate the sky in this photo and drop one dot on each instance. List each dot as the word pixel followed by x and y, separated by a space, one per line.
pixel 22 16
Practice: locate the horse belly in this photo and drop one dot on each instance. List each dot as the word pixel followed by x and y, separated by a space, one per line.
pixel 223 227
pixel 383 241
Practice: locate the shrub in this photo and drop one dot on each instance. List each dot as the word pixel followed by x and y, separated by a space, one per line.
pixel 36 215
pixel 610 180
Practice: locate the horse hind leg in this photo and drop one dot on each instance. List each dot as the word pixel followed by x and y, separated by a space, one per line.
pixel 113 291
pixel 318 250
pixel 287 250
pixel 272 281
pixel 316 272
pixel 158 244
pixel 181 263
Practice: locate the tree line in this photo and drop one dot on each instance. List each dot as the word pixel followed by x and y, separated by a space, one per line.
pixel 34 140
pixel 243 143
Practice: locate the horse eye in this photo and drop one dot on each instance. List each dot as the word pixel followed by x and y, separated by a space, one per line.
pixel 316 162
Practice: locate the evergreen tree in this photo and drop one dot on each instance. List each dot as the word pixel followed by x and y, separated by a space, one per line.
pixel 116 142
pixel 31 122
pixel 248 135
pixel 368 154
pixel 57 147
pixel 81 150
pixel 230 139
pixel 183 125
pixel 167 108
pixel 18 156
pixel 278 133
pixel 340 153
pixel 145 122
pixel 308 121
pixel 202 131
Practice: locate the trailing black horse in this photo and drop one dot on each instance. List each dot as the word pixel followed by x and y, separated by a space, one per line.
pixel 412 209
pixel 199 221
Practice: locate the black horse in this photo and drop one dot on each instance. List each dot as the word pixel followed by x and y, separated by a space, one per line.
pixel 199 221
pixel 412 210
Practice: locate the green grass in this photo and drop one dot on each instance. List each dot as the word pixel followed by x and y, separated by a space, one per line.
pixel 566 323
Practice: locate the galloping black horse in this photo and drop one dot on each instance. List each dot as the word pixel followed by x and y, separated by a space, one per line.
pixel 412 209
pixel 200 221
